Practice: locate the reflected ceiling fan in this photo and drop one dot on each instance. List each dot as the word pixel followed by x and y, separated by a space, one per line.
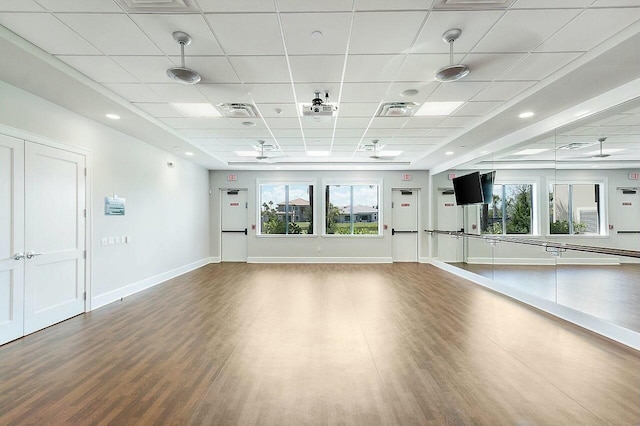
pixel 601 154
pixel 376 154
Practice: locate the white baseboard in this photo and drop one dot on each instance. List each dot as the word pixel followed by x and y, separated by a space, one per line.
pixel 215 259
pixel 319 260
pixel 424 260
pixel 542 261
pixel 128 290
pixel 604 328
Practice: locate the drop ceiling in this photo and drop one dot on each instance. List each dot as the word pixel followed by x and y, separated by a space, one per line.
pixel 262 52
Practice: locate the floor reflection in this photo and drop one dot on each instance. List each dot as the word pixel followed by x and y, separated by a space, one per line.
pixel 611 293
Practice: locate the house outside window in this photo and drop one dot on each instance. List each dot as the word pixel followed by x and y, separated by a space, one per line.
pixel 352 209
pixel 286 209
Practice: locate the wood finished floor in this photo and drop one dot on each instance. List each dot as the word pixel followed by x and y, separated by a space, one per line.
pixel 318 344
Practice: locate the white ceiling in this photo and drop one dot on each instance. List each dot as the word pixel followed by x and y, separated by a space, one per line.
pixel 261 52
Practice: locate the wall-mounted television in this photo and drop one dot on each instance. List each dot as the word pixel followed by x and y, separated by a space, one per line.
pixel 486 180
pixel 468 189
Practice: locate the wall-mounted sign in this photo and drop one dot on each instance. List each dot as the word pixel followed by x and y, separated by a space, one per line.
pixel 113 206
pixel 634 175
pixel 406 176
pixel 627 204
pixel 234 204
pixel 232 177
pixel 449 205
pixel 405 205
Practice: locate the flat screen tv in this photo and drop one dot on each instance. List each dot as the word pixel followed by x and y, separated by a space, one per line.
pixel 487 179
pixel 468 189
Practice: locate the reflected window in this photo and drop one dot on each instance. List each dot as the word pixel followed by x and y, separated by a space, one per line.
pixel 352 209
pixel 574 209
pixel 509 211
pixel 286 209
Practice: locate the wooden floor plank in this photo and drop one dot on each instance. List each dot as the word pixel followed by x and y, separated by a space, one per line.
pixel 318 344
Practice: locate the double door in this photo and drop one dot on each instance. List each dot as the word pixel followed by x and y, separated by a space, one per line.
pixel 42 236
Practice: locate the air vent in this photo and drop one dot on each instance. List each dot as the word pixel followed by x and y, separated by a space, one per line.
pixel 575 146
pixel 472 4
pixel 397 109
pixel 238 110
pixel 158 6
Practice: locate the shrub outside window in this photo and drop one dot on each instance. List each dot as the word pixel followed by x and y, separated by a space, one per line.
pixel 509 211
pixel 574 209
pixel 286 209
pixel 352 210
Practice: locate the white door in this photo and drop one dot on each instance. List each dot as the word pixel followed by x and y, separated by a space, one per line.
pixel 234 225
pixel 450 218
pixel 11 238
pixel 404 228
pixel 54 236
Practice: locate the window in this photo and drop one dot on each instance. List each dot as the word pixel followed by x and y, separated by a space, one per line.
pixel 575 209
pixel 286 209
pixel 352 209
pixel 509 211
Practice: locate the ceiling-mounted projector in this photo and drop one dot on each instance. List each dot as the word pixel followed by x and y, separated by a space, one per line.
pixel 320 109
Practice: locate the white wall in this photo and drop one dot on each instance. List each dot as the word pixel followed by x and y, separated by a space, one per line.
pixel 318 248
pixel 167 210
pixel 619 216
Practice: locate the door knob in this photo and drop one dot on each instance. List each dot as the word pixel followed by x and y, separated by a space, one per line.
pixel 31 255
pixel 18 256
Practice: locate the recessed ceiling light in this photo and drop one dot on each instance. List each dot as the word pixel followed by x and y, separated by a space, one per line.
pixel 526 114
pixel 247 153
pixel 316 35
pixel 189 153
pixel 437 108
pixel 409 92
pixel 448 153
pixel 531 151
pixel 318 153
pixel 197 109
pixel 112 116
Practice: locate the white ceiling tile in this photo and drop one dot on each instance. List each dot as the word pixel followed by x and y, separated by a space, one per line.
pixel 315 6
pixel 291 133
pixel 423 122
pixel 443 131
pixel 212 69
pixel 160 28
pixel 202 133
pixel 312 123
pixel 306 91
pixel 308 69
pixel 237 123
pixel 358 109
pixel 271 93
pixel 176 92
pixel 407 132
pixel 298 27
pixel 159 110
pixel 113 34
pixel 490 66
pixel 137 92
pixel 424 88
pixel 353 123
pixel 282 123
pixel 457 121
pixel 196 123
pixel 261 69
pixel 503 90
pixel 629 120
pixel 421 67
pixel 224 93
pixel 247 34
pixel 615 3
pixel 369 34
pixel 456 91
pixel 392 5
pixel 363 92
pixel 221 6
pixel 372 68
pixel 524 30
pixel 46 32
pixel 376 133
pixel 92 6
pixel 474 25
pixel 477 108
pixel 286 110
pixel 581 35
pixel 19 6
pixel 99 68
pixel 388 123
pixel 550 4
pixel 538 66
pixel 147 69
pixel 349 133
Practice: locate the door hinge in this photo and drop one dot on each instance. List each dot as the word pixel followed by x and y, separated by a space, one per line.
pixel 85 171
pixel 84 254
pixel 84 296
pixel 246 205
pixel 392 204
pixel 84 213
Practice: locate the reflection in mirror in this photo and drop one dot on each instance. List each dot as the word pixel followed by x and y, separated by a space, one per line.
pixel 552 196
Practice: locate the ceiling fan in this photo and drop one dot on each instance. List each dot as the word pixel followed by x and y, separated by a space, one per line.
pixel 452 72
pixel 376 154
pixel 601 154
pixel 182 74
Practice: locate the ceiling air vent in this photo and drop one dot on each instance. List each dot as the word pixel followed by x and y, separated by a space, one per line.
pixel 575 146
pixel 397 109
pixel 158 6
pixel 238 110
pixel 472 4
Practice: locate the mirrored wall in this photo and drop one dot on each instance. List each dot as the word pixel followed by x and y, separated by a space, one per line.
pixel 556 204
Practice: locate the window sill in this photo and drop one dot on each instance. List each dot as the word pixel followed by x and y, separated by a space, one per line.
pixel 286 235
pixel 351 236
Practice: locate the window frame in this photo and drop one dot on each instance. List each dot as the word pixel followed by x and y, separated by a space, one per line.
pixel 603 183
pixel 297 182
pixel 352 182
pixel 535 201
